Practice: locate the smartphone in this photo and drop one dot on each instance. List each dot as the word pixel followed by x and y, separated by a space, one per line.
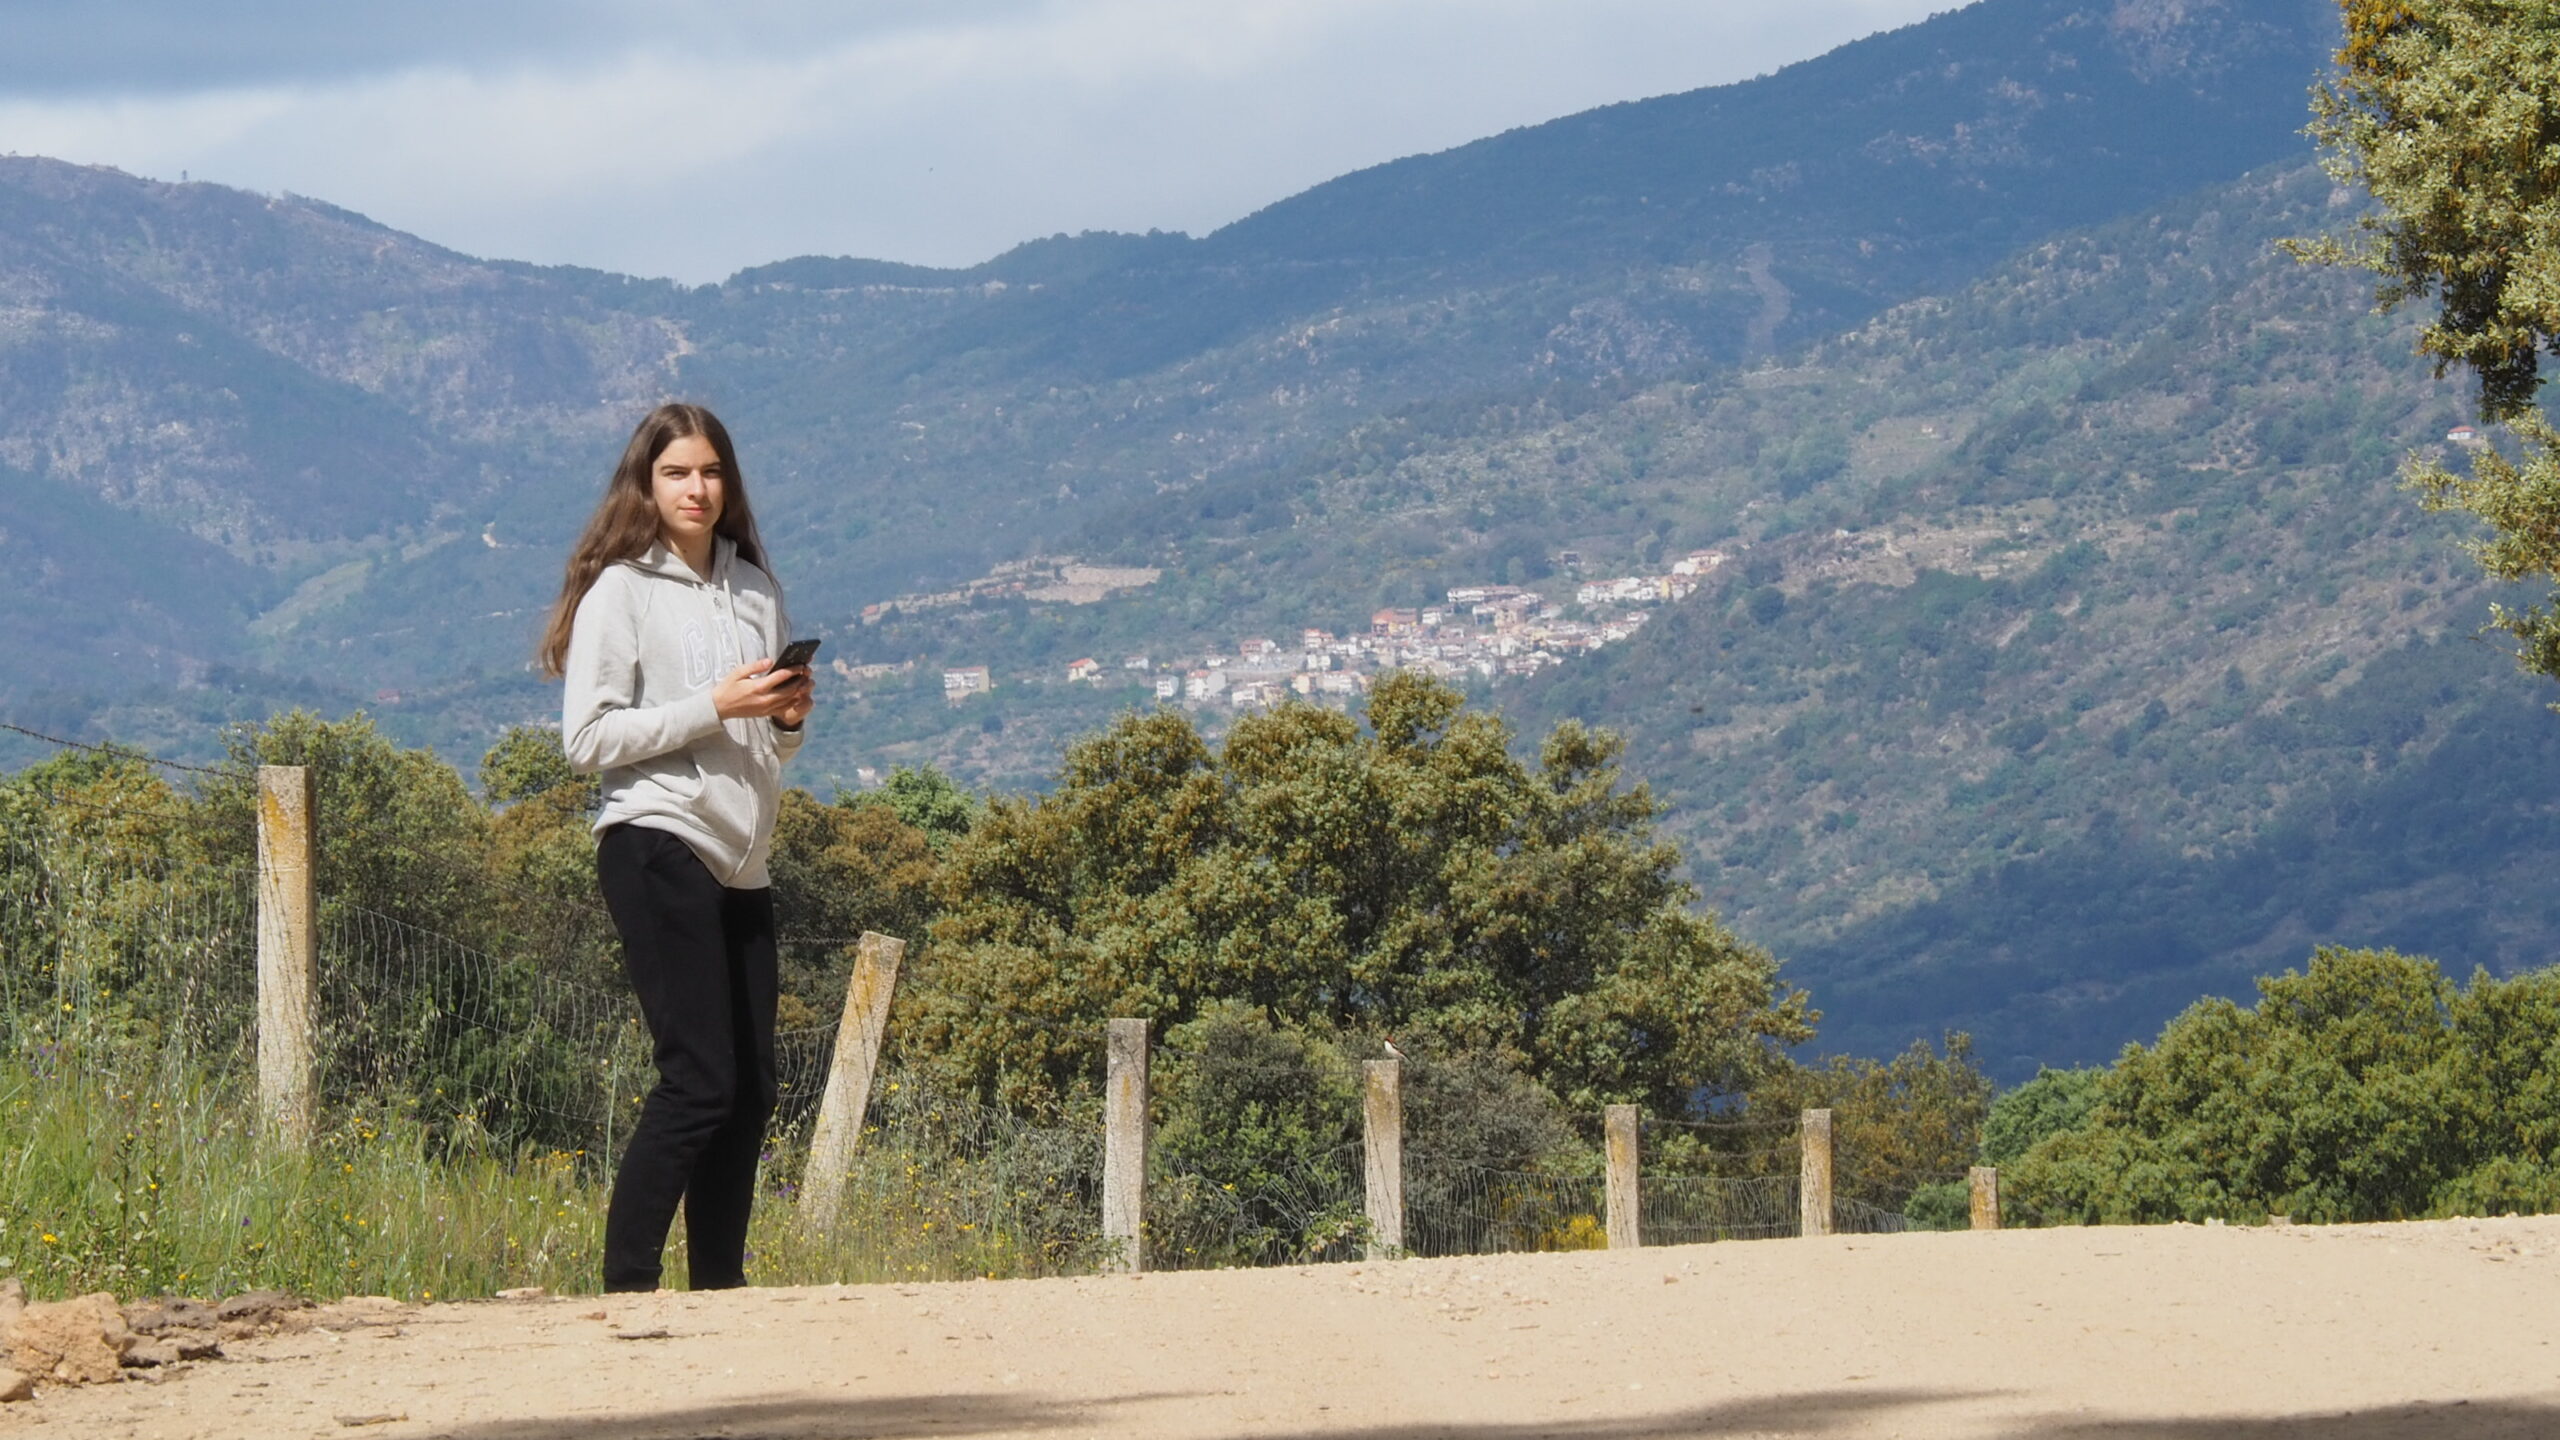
pixel 794 656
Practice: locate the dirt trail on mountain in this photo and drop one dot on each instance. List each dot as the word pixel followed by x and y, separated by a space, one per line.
pixel 2173 1333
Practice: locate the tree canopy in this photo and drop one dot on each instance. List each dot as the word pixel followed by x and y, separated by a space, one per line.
pixel 1411 878
pixel 2366 1087
pixel 2448 113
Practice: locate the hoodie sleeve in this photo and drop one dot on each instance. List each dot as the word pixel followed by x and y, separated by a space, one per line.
pixel 601 728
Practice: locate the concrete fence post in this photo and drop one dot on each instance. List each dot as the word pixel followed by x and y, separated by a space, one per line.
pixel 1986 1197
pixel 1124 1145
pixel 1620 1126
pixel 1814 1173
pixel 848 1096
pixel 288 955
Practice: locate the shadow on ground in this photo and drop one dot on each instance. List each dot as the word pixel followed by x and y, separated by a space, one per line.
pixel 1815 1415
pixel 1828 1412
pixel 2457 1420
pixel 891 1418
pixel 810 1417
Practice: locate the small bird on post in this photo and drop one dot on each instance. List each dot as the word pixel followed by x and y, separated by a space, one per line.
pixel 1392 1052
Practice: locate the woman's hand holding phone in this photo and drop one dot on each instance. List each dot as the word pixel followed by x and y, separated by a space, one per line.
pixel 756 689
pixel 803 695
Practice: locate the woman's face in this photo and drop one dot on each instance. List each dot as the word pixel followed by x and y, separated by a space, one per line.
pixel 686 482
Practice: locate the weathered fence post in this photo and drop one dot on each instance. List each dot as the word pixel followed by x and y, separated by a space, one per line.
pixel 1814 1173
pixel 848 1097
pixel 1626 1220
pixel 1382 1150
pixel 1986 1197
pixel 288 954
pixel 1124 1145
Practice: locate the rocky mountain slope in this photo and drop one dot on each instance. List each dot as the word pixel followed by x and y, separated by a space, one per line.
pixel 2076 652
pixel 2079 653
pixel 394 440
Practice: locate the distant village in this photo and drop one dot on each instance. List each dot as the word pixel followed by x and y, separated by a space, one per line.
pixel 1482 632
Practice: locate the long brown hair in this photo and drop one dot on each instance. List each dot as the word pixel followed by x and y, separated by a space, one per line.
pixel 625 524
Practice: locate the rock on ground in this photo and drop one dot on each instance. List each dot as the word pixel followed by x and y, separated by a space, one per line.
pixel 90 1340
pixel 74 1342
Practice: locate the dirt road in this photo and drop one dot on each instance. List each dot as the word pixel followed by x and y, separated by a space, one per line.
pixel 2178 1333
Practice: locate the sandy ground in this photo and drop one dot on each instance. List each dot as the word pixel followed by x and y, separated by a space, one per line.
pixel 2359 1332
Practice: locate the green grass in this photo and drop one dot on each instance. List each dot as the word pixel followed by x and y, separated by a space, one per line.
pixel 159 1183
pixel 142 1180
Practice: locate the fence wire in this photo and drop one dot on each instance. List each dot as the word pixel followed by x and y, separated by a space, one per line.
pixel 1459 1209
pixel 1309 1208
pixel 131 950
pixel 1695 1209
pixel 1880 1193
pixel 943 1187
pixel 523 1038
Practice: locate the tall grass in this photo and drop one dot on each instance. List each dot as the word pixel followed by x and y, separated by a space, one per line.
pixel 156 1181
pixel 160 1183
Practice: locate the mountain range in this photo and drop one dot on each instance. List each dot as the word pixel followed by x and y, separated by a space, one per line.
pixel 2067 560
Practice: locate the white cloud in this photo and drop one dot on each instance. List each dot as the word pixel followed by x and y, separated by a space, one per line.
pixel 941 141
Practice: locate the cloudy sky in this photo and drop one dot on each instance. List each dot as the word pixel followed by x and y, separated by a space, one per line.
pixel 693 137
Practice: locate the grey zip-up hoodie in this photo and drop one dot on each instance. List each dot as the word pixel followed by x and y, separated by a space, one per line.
pixel 650 643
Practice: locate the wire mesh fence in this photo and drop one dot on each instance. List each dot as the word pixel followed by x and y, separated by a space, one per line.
pixel 1696 1209
pixel 136 951
pixel 1878 1193
pixel 944 1187
pixel 463 1037
pixel 1311 1207
pixel 1460 1209
pixel 519 1039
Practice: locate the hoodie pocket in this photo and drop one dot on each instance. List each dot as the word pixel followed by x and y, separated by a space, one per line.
pixel 736 794
pixel 753 736
pixel 682 782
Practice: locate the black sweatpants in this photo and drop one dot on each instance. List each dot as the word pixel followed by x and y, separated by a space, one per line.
pixel 701 957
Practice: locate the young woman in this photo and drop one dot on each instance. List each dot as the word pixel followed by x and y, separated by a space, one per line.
pixel 663 633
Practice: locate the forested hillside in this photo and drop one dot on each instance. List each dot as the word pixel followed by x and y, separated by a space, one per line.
pixel 373 449
pixel 2080 653
pixel 2075 650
